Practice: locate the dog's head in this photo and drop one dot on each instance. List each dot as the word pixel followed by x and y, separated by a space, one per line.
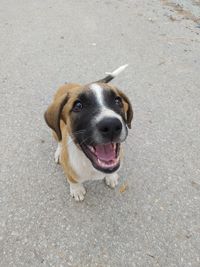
pixel 97 117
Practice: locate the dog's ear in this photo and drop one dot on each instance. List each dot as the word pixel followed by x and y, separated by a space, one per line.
pixel 53 114
pixel 128 108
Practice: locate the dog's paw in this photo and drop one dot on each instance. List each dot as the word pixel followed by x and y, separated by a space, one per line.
pixel 112 180
pixel 77 191
pixel 57 154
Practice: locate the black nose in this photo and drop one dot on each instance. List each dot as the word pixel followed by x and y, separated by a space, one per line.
pixel 110 127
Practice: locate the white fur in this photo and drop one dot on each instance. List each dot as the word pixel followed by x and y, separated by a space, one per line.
pixel 112 180
pixel 77 191
pixel 98 91
pixel 117 71
pixel 82 165
pixel 106 112
pixel 57 153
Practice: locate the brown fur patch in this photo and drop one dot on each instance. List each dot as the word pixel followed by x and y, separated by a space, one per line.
pixel 128 108
pixel 64 159
pixel 58 115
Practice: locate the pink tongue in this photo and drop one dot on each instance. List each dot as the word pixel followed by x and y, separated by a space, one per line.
pixel 105 152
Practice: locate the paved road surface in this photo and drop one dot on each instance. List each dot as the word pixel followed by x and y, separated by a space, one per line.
pixel 156 221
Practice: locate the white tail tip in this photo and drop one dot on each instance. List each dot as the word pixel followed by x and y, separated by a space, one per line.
pixel 117 71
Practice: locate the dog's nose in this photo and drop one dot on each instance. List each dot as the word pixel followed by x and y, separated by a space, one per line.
pixel 110 127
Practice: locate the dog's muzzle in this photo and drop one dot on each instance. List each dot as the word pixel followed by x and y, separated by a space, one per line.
pixel 104 150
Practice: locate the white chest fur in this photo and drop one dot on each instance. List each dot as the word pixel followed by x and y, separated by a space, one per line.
pixel 81 164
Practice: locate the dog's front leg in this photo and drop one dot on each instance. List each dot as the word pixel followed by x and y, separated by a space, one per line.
pixel 77 191
pixel 112 179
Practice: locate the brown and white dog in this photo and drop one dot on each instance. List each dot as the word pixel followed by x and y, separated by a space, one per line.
pixel 90 122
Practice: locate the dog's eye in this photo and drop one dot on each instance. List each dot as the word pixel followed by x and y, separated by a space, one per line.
pixel 118 101
pixel 77 106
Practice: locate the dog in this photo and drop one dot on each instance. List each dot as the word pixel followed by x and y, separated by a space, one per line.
pixel 90 122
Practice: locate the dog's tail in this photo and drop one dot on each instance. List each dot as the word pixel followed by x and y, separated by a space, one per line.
pixel 112 75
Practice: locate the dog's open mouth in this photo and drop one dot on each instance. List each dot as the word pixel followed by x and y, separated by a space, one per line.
pixel 104 157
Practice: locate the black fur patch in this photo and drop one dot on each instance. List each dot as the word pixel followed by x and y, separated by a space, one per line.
pixel 109 100
pixel 82 127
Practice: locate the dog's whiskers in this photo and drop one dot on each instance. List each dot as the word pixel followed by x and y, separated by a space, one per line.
pixel 86 140
pixel 73 139
pixel 78 132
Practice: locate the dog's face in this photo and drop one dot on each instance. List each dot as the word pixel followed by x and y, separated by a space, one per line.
pixel 97 117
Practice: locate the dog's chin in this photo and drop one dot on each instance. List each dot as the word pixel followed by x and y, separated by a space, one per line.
pixel 104 157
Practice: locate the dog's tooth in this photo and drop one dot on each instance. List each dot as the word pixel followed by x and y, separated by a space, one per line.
pixel 104 164
pixel 114 145
pixel 109 164
pixel 91 148
pixel 99 161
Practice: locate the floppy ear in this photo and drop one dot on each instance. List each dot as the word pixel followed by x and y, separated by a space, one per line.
pixel 53 114
pixel 128 108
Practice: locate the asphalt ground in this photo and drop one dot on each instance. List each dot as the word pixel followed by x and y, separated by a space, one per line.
pixel 155 220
